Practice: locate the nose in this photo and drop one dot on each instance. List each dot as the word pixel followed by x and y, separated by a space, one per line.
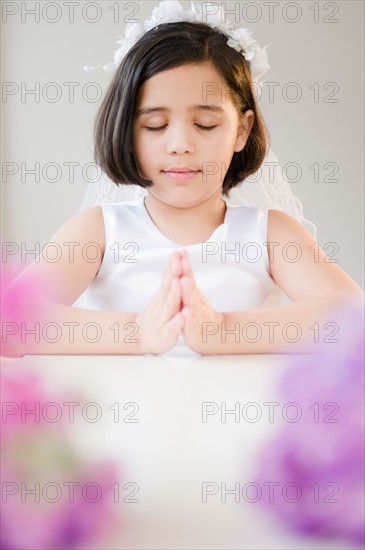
pixel 179 139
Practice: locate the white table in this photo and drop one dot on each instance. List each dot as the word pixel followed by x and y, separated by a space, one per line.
pixel 170 452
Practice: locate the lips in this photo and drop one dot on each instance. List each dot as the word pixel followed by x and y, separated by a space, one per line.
pixel 180 169
pixel 179 173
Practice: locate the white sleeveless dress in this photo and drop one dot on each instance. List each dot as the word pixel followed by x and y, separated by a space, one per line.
pixel 231 268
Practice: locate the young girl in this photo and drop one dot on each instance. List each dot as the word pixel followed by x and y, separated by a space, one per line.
pixel 180 120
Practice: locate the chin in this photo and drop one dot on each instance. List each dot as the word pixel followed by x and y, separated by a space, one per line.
pixel 173 197
pixel 184 200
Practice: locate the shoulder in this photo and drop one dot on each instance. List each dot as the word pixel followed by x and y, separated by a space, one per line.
pixel 90 217
pixel 282 225
pixel 94 213
pixel 284 231
pixel 87 226
pixel 81 245
pixel 276 218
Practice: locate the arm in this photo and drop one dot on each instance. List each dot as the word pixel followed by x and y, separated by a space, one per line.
pixel 38 316
pixel 318 289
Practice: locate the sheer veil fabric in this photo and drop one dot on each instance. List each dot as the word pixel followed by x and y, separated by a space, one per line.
pixel 267 188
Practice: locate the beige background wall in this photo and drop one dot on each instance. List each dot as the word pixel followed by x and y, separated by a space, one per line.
pixel 321 56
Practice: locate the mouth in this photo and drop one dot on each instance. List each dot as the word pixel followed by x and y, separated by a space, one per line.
pixel 181 173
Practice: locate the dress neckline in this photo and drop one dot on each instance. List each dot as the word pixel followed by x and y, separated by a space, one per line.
pixel 221 229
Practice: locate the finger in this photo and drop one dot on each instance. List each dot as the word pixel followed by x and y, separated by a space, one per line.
pixel 172 270
pixel 190 323
pixel 192 296
pixel 171 258
pixel 173 300
pixel 185 264
pixel 175 325
pixel 172 303
pixel 186 313
pixel 187 291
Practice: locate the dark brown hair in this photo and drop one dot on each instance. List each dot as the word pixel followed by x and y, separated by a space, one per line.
pixel 164 47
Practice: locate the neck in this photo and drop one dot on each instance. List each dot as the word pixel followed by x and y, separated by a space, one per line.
pixel 186 224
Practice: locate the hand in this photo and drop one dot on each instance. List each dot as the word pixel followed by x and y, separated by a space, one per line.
pixel 159 325
pixel 196 311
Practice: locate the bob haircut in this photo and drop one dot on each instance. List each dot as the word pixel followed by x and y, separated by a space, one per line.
pixel 167 46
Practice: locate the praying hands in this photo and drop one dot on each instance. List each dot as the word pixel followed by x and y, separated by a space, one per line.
pixel 177 306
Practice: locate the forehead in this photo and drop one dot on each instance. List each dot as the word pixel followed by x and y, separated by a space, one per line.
pixel 186 87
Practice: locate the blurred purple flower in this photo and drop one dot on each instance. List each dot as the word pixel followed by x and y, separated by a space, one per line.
pixel 37 451
pixel 323 452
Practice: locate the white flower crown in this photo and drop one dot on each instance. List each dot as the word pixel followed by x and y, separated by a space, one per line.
pixel 213 15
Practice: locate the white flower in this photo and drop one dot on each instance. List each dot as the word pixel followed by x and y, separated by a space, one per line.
pixel 133 32
pixel 244 38
pixel 215 17
pixel 170 7
pixel 210 13
pixel 249 55
pixel 234 44
pixel 123 50
pixel 167 11
pixel 260 64
pixel 193 12
pixel 109 67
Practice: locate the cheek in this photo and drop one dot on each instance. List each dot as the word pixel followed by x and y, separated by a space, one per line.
pixel 145 157
pixel 140 148
pixel 219 147
pixel 149 149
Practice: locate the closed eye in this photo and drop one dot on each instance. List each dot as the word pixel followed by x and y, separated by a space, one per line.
pixel 157 129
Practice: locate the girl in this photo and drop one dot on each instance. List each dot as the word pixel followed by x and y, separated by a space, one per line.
pixel 180 121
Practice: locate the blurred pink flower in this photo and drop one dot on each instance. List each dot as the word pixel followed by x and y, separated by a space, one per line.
pixel 22 305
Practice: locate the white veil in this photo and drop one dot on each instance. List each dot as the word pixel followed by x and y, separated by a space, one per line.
pixel 266 188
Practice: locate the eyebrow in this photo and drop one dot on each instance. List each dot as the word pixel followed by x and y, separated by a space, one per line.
pixel 204 107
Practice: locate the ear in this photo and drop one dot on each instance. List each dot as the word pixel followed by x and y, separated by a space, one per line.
pixel 244 129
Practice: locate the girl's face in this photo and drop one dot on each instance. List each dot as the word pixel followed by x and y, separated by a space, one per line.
pixel 185 118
